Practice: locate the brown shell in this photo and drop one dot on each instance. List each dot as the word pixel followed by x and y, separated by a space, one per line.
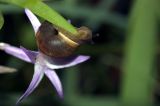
pixel 56 42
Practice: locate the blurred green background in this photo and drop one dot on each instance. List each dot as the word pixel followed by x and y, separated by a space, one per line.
pixel 123 69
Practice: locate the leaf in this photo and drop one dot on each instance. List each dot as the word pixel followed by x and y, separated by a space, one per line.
pixel 140 54
pixel 1 20
pixel 42 10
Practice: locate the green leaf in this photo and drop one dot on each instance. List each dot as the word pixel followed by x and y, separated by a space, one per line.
pixel 42 10
pixel 1 20
pixel 140 54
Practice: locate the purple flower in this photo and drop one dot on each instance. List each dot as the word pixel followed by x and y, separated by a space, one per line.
pixel 44 65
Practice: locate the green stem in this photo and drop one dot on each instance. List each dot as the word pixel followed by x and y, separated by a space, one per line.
pixel 1 20
pixel 42 10
pixel 140 54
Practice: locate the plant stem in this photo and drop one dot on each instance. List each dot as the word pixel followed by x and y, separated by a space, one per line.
pixel 140 54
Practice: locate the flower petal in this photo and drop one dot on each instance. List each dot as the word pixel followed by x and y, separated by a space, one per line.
pixel 5 69
pixel 33 19
pixel 14 51
pixel 53 77
pixel 37 77
pixel 51 63
pixel 31 54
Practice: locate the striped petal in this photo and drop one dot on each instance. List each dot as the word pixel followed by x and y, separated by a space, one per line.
pixel 31 54
pixel 55 63
pixel 33 19
pixel 16 52
pixel 53 77
pixel 37 77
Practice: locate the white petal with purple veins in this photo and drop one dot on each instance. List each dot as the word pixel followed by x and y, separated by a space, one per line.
pixel 37 77
pixel 14 51
pixel 33 19
pixel 77 60
pixel 53 77
pixel 31 54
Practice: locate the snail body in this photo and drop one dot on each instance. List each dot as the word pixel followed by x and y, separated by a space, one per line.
pixel 56 42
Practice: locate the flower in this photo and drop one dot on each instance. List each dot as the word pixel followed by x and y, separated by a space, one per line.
pixel 5 69
pixel 43 64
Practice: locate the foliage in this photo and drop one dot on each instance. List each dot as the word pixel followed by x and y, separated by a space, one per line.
pixel 41 9
pixel 1 20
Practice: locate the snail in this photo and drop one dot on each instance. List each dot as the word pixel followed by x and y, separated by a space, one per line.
pixel 56 42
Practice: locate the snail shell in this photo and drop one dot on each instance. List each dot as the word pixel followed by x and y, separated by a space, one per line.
pixel 56 42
